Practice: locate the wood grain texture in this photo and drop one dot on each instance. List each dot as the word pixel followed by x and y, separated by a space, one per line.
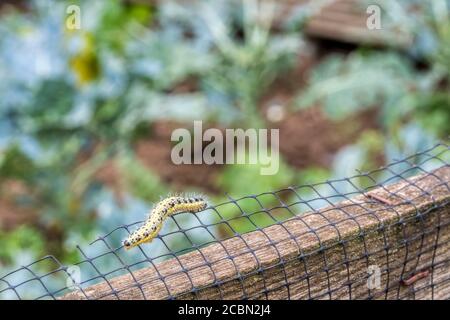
pixel 346 21
pixel 320 255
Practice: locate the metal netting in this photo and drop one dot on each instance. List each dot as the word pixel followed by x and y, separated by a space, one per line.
pixel 380 234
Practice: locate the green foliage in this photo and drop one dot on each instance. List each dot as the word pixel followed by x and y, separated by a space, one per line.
pixel 250 178
pixel 390 80
pixel 118 17
pixel 345 86
pixel 238 180
pixel 15 164
pixel 312 175
pixel 249 64
pixel 139 181
pixel 361 156
pixel 387 80
pixel 433 112
pixel 19 239
pixel 51 103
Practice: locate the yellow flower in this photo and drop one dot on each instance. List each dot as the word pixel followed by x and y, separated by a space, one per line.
pixel 85 63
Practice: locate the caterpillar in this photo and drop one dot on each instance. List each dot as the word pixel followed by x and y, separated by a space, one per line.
pixel 167 207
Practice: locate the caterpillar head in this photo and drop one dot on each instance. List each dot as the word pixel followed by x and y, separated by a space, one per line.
pixel 142 235
pixel 127 244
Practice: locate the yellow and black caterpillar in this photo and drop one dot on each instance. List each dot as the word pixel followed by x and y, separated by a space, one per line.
pixel 171 205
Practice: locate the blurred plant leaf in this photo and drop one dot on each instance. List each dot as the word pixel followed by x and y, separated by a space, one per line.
pixel 360 81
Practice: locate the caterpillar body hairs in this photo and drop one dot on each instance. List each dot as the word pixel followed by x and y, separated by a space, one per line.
pixel 167 207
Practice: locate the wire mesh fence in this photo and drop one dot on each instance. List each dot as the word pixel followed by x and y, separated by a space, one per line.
pixel 382 234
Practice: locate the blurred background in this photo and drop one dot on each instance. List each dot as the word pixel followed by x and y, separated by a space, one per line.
pixel 86 113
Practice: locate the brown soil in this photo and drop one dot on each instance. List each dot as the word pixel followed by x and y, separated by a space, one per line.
pixel 6 6
pixel 308 138
pixel 289 83
pixel 109 174
pixel 13 214
pixel 155 154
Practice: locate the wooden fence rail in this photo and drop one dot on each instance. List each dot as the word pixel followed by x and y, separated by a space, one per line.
pixel 401 230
